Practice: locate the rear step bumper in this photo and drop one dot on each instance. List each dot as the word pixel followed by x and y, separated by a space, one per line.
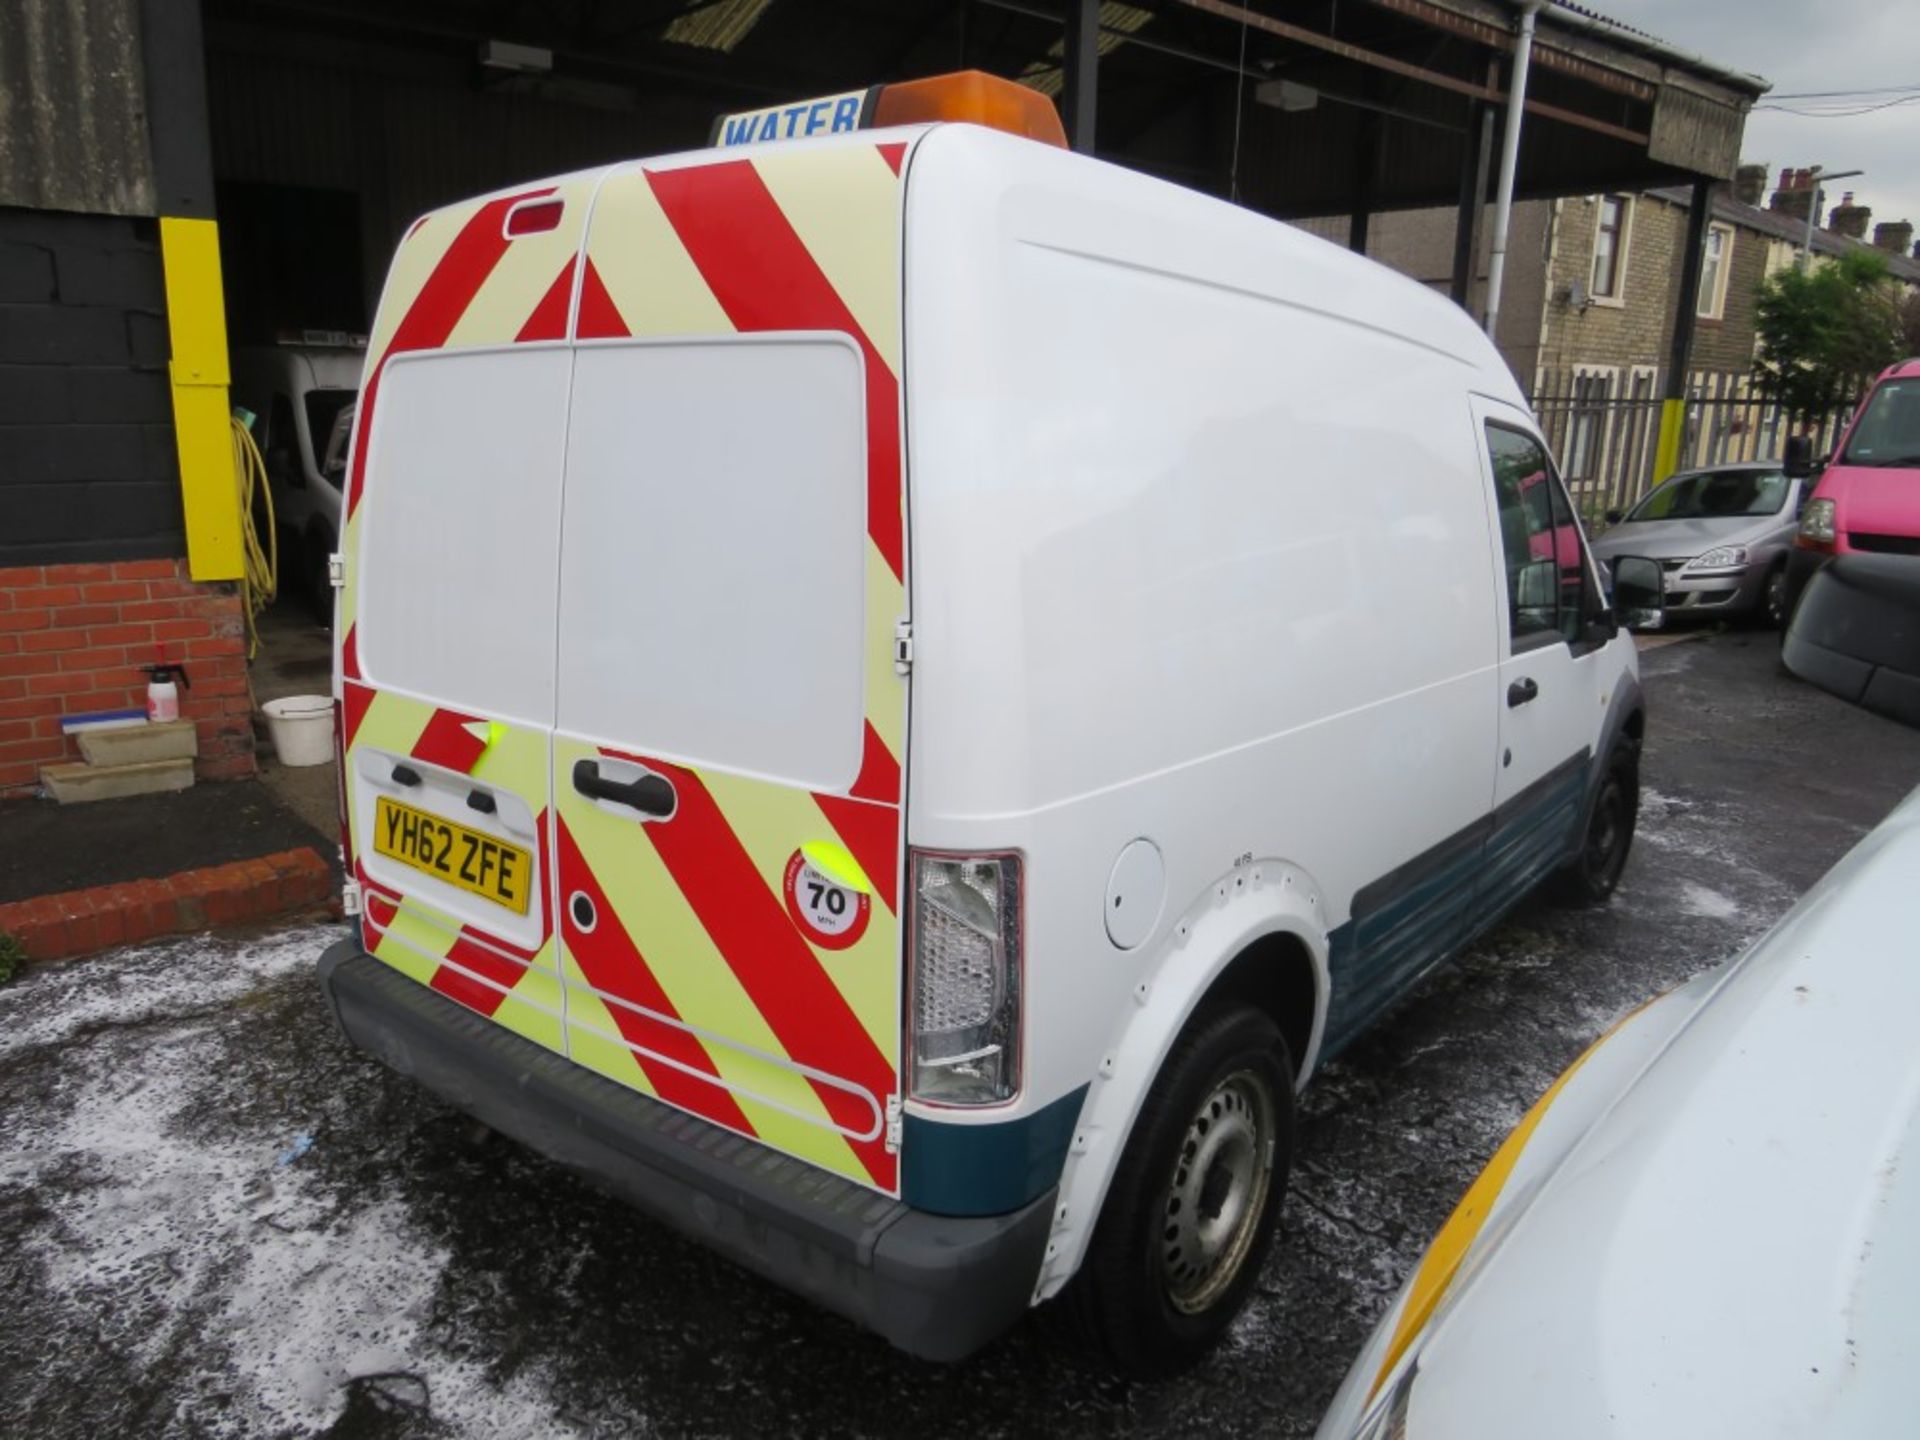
pixel 936 1286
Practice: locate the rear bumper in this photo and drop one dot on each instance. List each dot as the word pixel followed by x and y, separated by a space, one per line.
pixel 935 1286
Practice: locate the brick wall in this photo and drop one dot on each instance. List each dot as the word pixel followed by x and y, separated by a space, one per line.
pixel 73 639
pixel 87 463
pixel 1634 331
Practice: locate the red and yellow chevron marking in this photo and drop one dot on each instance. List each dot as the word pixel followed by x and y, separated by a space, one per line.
pixel 457 281
pixel 807 1036
pixel 691 983
pixel 517 987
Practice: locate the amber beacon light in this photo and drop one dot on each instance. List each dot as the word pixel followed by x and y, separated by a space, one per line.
pixel 974 96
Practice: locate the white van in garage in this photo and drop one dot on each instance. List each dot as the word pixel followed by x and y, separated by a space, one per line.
pixel 298 391
pixel 902 691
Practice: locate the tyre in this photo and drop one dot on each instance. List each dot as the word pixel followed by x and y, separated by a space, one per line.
pixel 1773 597
pixel 1590 877
pixel 1194 1203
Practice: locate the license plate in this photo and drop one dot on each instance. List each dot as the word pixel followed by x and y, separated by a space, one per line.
pixel 463 858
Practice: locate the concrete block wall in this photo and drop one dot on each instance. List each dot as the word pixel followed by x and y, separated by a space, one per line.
pixel 75 638
pixel 87 464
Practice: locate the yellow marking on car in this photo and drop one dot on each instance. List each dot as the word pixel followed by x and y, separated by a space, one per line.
pixel 836 862
pixel 1442 1260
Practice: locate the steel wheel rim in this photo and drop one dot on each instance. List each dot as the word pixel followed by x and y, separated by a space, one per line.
pixel 1605 847
pixel 1218 1192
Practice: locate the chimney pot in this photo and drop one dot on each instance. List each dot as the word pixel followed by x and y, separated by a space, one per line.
pixel 1849 219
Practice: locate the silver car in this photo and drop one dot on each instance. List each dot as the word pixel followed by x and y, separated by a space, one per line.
pixel 1721 535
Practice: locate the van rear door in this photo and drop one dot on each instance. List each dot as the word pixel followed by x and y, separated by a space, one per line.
pixel 445 624
pixel 730 726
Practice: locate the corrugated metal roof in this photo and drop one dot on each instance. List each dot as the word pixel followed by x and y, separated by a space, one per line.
pixel 1117 21
pixel 1592 20
pixel 719 26
pixel 73 108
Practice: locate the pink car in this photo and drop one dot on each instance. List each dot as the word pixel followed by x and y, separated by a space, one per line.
pixel 1868 498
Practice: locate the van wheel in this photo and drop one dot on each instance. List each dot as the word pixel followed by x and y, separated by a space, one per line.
pixel 1590 877
pixel 1194 1203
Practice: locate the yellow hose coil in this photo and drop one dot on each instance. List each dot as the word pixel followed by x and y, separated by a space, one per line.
pixel 259 578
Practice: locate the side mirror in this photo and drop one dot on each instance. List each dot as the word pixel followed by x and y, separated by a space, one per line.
pixel 1797 459
pixel 1614 517
pixel 1639 593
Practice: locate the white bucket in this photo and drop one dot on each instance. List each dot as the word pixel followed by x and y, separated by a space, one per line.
pixel 302 728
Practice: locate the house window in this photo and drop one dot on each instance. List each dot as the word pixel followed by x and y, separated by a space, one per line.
pixel 1586 432
pixel 1610 249
pixel 1715 261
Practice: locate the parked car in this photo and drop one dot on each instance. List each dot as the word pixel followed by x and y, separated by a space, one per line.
pixel 1214 749
pixel 1856 633
pixel 1722 536
pixel 298 391
pixel 1709 1225
pixel 1868 496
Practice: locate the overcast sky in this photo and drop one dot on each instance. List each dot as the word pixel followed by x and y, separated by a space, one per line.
pixel 1803 45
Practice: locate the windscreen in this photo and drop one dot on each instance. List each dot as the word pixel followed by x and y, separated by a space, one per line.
pixel 1715 495
pixel 323 409
pixel 1889 431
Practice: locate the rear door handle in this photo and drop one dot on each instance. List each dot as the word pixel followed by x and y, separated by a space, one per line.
pixel 651 795
pixel 1521 691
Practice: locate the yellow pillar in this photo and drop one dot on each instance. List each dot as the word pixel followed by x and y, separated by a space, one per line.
pixel 1666 450
pixel 197 328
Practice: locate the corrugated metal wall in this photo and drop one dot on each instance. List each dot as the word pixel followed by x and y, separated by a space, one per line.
pixel 407 139
pixel 73 121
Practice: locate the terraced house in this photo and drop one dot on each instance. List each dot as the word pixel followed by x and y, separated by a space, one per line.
pixel 1588 314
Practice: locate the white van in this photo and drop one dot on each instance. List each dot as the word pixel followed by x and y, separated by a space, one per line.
pixel 901 691
pixel 298 391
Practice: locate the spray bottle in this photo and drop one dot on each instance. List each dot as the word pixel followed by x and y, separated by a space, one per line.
pixel 163 696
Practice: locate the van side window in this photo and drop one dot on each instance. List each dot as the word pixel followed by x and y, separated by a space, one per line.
pixel 1540 542
pixel 283 441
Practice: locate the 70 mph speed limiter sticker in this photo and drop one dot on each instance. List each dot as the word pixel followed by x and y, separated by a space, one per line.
pixel 830 914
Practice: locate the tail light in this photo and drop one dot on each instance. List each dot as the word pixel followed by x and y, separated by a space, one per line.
pixel 964 966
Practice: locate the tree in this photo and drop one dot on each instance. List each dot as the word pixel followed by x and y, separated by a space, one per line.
pixel 1910 324
pixel 1824 332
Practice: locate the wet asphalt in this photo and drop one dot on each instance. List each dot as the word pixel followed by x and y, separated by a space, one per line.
pixel 219 1221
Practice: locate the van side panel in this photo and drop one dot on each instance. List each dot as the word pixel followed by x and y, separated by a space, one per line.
pixel 736 423
pixel 460 286
pixel 1201 557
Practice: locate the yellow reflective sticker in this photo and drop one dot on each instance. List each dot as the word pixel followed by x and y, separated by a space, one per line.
pixel 836 862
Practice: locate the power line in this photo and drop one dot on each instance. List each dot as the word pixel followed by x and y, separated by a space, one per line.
pixel 1840 114
pixel 1840 94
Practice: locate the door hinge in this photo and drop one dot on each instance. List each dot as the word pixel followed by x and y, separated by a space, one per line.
pixel 336 570
pixel 902 647
pixel 893 1124
pixel 350 897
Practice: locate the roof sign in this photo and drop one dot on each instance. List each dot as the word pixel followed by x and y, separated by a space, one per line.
pixel 829 115
pixel 971 96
